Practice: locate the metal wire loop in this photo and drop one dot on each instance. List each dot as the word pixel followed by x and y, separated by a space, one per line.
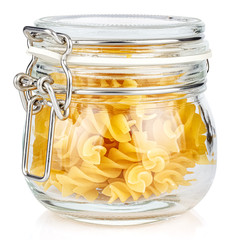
pixel 35 34
pixel 208 65
pixel 57 105
pixel 40 84
pixel 36 104
pixel 26 146
pixel 24 82
pixel 67 70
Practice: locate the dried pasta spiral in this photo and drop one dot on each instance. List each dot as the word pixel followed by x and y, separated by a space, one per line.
pixel 138 178
pixel 119 189
pixel 90 148
pixel 156 159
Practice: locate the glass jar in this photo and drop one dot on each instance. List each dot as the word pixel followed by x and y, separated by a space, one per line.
pixel 118 130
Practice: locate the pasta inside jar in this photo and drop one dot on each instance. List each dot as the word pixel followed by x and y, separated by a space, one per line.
pixel 118 149
pixel 138 143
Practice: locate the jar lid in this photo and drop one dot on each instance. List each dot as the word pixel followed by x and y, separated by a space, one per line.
pixel 117 28
pixel 166 39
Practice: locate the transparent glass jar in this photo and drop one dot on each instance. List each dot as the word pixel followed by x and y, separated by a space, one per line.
pixel 136 143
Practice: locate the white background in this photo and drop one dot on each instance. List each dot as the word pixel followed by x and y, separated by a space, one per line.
pixel 23 217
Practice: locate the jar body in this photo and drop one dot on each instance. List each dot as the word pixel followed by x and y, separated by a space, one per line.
pixel 125 159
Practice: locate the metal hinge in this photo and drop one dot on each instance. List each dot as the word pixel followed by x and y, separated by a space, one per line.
pixel 33 104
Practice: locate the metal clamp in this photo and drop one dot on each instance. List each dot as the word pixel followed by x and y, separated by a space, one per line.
pixel 35 34
pixel 25 83
pixel 26 145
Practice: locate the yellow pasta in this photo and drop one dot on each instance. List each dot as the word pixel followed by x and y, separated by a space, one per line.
pixel 90 148
pixel 138 178
pixel 113 148
pixel 119 189
pixel 168 134
pixel 112 127
pixel 156 159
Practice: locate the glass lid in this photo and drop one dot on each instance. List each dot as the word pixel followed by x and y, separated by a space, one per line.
pixel 117 28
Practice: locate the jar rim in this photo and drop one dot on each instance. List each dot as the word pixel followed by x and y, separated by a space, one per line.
pixel 121 27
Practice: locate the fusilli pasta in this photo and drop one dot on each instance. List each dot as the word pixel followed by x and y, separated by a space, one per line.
pixel 116 148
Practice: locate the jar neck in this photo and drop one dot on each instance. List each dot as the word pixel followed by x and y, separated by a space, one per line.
pixel 140 49
pixel 168 78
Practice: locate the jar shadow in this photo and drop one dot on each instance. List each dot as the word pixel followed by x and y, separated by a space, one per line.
pixel 52 226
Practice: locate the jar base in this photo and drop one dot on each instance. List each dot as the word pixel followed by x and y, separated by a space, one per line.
pixel 133 213
pixel 114 222
pixel 110 218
